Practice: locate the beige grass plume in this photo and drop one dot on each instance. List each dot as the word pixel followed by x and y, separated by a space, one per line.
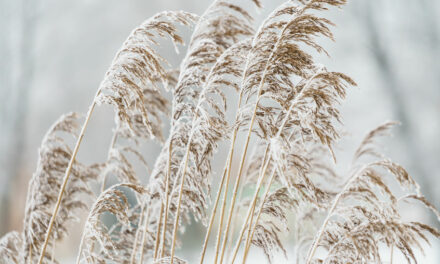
pixel 263 89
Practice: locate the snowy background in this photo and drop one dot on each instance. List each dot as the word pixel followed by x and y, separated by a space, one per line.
pixel 53 54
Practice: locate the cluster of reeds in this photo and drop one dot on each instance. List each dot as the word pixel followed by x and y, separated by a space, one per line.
pixel 261 91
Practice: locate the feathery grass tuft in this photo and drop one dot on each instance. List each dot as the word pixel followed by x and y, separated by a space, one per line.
pixel 259 87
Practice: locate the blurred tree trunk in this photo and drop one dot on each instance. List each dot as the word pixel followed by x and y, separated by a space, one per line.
pixel 6 84
pixel 429 8
pixel 15 99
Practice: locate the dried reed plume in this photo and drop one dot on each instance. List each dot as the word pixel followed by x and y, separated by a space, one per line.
pixel 259 88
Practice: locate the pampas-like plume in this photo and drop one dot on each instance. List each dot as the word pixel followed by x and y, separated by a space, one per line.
pixel 11 247
pixel 282 107
pixel 364 214
pixel 100 243
pixel 287 106
pixel 217 30
pixel 130 82
pixel 54 156
pixel 271 221
pixel 193 144
pixel 118 164
pixel 122 83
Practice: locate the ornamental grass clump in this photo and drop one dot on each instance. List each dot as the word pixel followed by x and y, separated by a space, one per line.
pixel 255 88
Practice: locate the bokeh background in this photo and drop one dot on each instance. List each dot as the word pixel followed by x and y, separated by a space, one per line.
pixel 53 55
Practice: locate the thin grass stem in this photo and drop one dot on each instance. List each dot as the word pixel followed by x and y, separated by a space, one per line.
pixel 144 237
pixel 66 178
pixel 228 170
pixel 158 233
pixel 212 218
pixel 135 243
pixel 165 216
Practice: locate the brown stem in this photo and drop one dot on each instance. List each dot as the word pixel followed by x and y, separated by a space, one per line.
pixel 30 253
pixel 237 182
pixel 165 217
pixel 243 158
pixel 278 135
pixel 53 251
pixel 179 200
pixel 330 214
pixel 392 253
pixel 212 218
pixel 112 145
pixel 135 243
pixel 144 238
pixel 251 233
pixel 228 169
pixel 159 222
pixel 231 231
pixel 66 179
pixel 250 210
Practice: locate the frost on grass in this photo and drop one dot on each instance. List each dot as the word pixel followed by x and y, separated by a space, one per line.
pixel 259 87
